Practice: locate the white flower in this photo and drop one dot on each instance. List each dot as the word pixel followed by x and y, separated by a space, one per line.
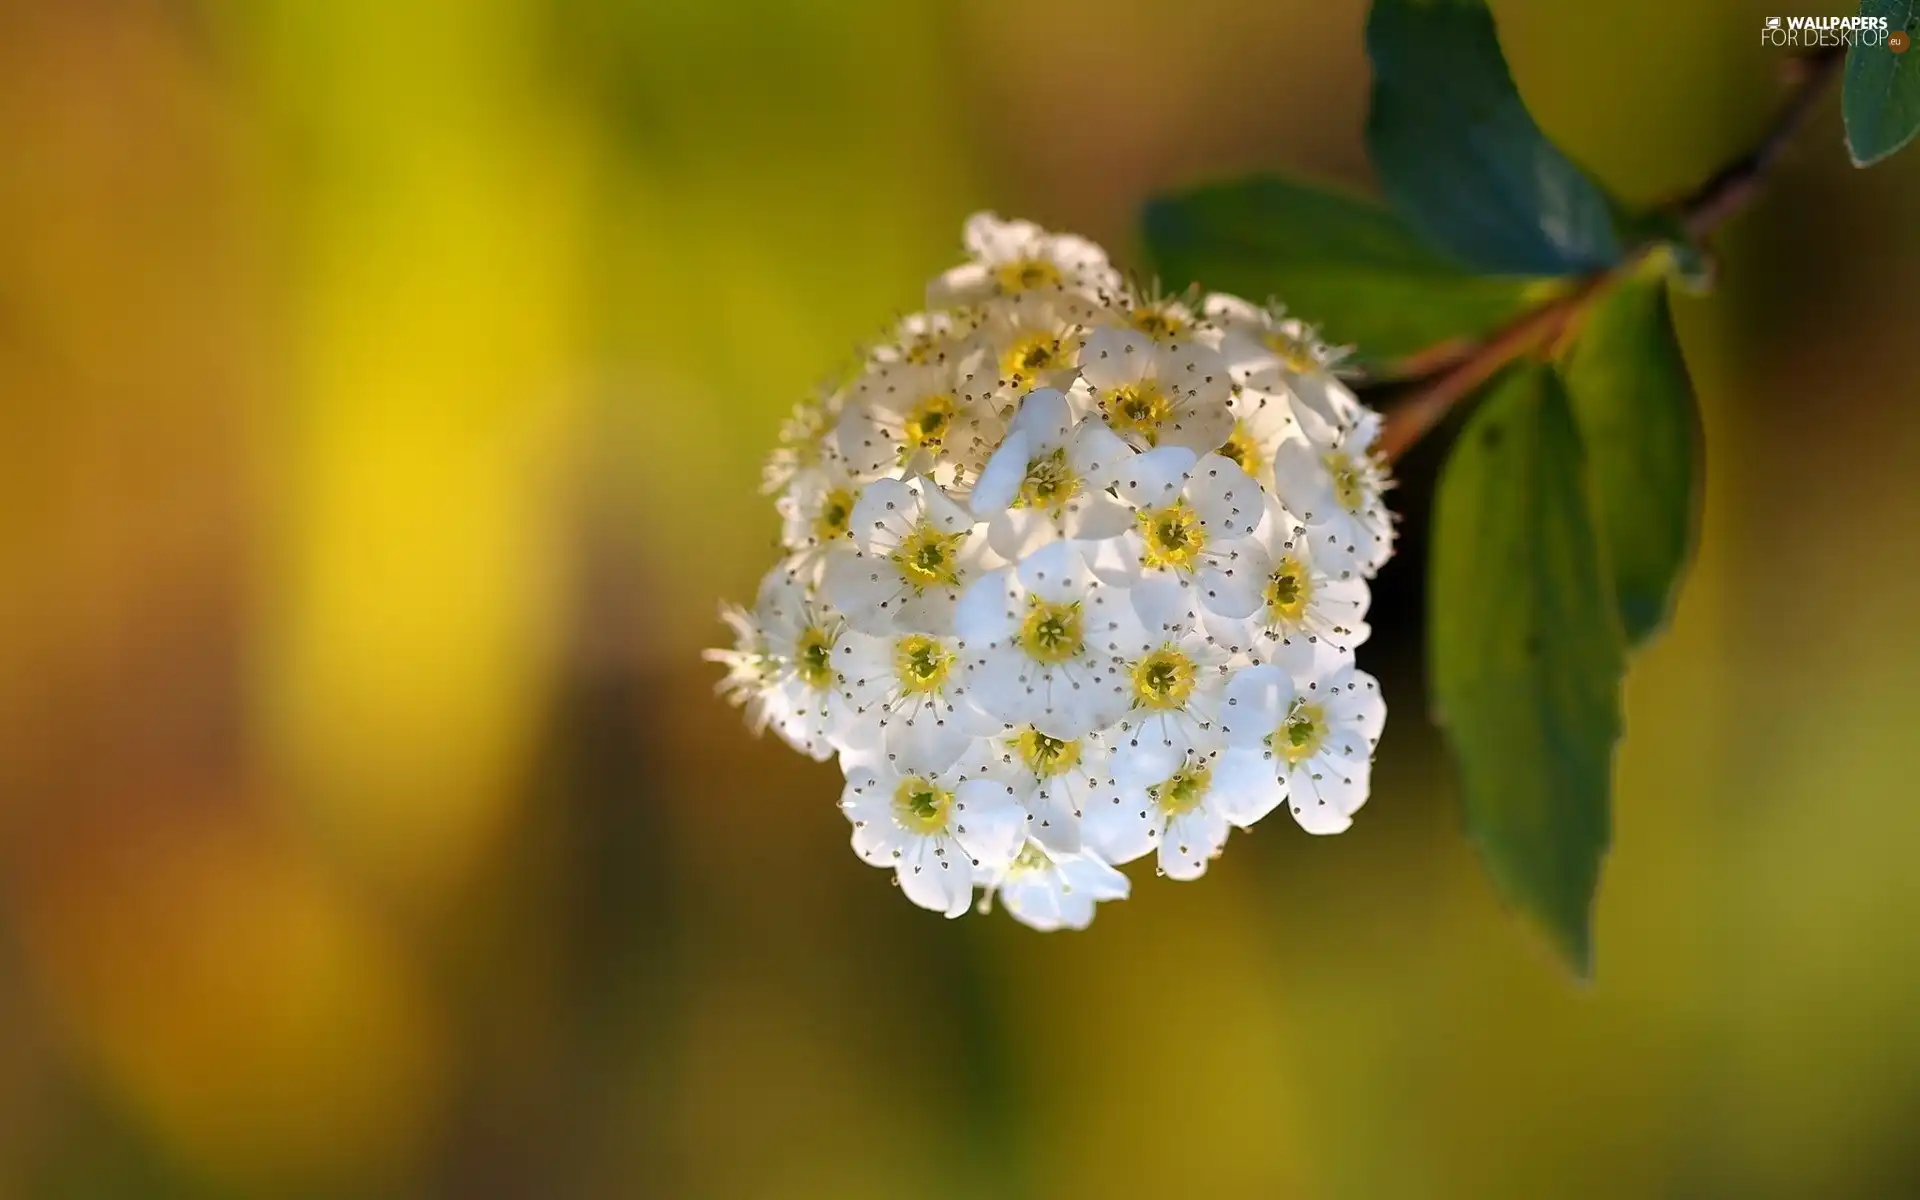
pixel 1027 342
pixel 816 510
pixel 1052 643
pixel 1073 572
pixel 1175 687
pixel 926 338
pixel 1300 601
pixel 1015 257
pixel 939 831
pixel 1184 813
pixel 804 435
pixel 1261 422
pixel 1048 890
pixel 1049 479
pixel 782 667
pixel 908 696
pixel 1332 480
pixel 900 416
pixel 1156 393
pixel 1191 545
pixel 1269 351
pixel 751 667
pixel 1055 779
pixel 1162 318
pixel 1310 744
pixel 914 552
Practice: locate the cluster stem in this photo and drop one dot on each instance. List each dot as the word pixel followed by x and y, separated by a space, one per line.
pixel 1433 380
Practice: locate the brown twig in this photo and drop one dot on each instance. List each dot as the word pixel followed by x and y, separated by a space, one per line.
pixel 1735 185
pixel 1445 373
pixel 1423 408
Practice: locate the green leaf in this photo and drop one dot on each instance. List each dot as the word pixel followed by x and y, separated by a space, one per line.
pixel 1635 407
pixel 1458 153
pixel 1526 655
pixel 1685 259
pixel 1348 264
pixel 1880 97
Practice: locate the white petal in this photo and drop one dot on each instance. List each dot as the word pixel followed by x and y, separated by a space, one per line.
pixel 1056 816
pixel 989 609
pixel 1190 842
pixel 1140 761
pixel 866 590
pixel 964 284
pixel 1033 898
pixel 927 739
pixel 1056 573
pixel 1200 424
pixel 1015 533
pixel 1096 516
pixel 1165 602
pixel 941 510
pixel 1257 700
pixel 999 483
pixel 1229 502
pixel 927 878
pixel 1115 357
pixel 987 237
pixel 1303 482
pixel 989 823
pixel 1120 829
pixel 1317 804
pixel 1098 455
pixel 997 680
pixel 884 512
pixel 1233 588
pixel 1247 785
pixel 864 666
pixel 1087 875
pixel 1045 418
pixel 1224 308
pixel 1151 480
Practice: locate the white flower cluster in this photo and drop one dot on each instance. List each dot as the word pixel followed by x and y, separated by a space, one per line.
pixel 1073 575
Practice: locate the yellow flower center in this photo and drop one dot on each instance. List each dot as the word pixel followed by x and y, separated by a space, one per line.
pixel 1139 409
pixel 1026 274
pixel 920 806
pixel 813 658
pixel 1289 590
pixel 1051 633
pixel 921 664
pixel 1182 791
pixel 1030 858
pixel 1349 480
pixel 1301 734
pixel 1158 322
pixel 803 435
pixel 1032 354
pixel 1046 757
pixel 836 512
pixel 1243 450
pixel 924 346
pixel 929 558
pixel 1297 356
pixel 1164 679
pixel 1174 537
pixel 926 424
pixel 1050 482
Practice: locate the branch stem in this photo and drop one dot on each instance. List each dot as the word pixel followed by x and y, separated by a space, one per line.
pixel 1442 375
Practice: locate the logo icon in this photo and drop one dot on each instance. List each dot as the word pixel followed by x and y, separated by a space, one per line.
pixel 1773 22
pixel 1898 41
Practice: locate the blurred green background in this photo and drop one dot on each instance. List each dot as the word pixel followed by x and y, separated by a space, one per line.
pixel 382 392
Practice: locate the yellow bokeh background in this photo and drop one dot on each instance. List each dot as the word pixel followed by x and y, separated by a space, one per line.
pixel 382 393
